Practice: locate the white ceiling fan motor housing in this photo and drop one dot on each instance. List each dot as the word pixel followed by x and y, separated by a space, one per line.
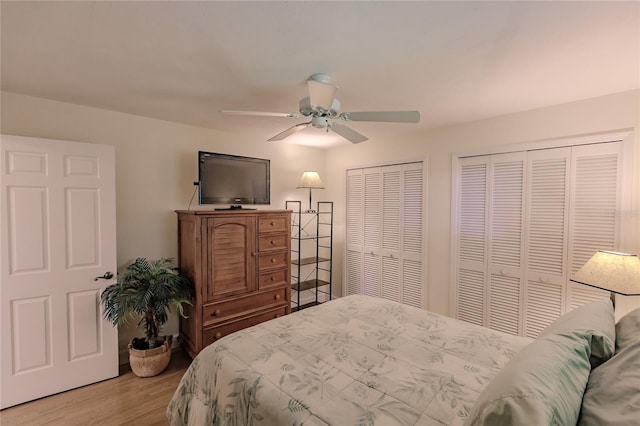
pixel 307 110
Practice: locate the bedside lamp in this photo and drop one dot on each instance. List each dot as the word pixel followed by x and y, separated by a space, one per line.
pixel 310 180
pixel 616 272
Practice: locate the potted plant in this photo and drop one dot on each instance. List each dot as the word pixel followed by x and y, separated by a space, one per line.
pixel 148 289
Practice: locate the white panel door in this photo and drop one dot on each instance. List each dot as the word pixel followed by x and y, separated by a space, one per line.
pixel 57 206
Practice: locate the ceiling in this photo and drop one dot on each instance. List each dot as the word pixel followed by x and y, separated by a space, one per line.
pixel 453 61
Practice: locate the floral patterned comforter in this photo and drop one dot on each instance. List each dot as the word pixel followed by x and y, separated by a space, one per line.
pixel 356 360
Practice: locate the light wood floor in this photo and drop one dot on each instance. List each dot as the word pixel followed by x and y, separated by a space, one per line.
pixel 124 400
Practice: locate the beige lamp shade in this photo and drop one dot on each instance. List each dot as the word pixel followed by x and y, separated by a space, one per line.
pixel 609 270
pixel 311 180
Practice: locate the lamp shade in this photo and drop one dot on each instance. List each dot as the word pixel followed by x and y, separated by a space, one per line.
pixel 311 180
pixel 612 271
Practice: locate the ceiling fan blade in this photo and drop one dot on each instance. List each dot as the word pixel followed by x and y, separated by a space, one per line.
pixel 386 116
pixel 348 133
pixel 260 113
pixel 321 94
pixel 289 131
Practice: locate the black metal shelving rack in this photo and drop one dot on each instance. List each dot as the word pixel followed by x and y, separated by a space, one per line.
pixel 311 254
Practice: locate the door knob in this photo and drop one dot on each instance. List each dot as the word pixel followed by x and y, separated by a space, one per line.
pixel 106 276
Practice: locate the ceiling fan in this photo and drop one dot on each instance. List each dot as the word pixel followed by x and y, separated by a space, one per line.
pixel 322 107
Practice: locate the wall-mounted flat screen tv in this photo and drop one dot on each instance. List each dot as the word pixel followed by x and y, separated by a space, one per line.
pixel 232 179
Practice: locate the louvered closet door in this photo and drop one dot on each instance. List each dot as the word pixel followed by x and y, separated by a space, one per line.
pixel 391 224
pixel 595 200
pixel 372 230
pixel 412 241
pixel 471 237
pixel 505 245
pixel 385 230
pixel 546 237
pixel 355 239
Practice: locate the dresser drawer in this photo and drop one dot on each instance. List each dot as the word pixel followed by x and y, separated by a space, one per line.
pixel 268 261
pixel 272 279
pixel 273 224
pixel 211 334
pixel 216 312
pixel 272 242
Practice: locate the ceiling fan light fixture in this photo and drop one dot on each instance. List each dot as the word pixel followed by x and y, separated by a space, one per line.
pixel 319 122
pixel 321 106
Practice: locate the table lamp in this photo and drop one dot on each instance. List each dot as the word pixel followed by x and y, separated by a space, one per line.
pixel 310 180
pixel 616 272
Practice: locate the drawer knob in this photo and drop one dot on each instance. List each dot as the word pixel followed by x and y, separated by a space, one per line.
pixel 273 260
pixel 273 243
pixel 273 223
pixel 218 335
pixel 216 313
pixel 277 297
pixel 273 278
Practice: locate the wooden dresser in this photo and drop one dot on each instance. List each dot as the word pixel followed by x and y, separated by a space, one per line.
pixel 240 263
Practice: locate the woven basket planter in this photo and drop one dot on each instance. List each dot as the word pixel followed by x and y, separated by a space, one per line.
pixel 150 362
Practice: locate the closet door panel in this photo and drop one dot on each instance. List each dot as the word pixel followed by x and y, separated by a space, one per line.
pixel 412 237
pixel 413 284
pixel 547 211
pixel 372 209
pixel 391 210
pixel 354 272
pixel 546 237
pixel 412 211
pixel 372 230
pixel 371 276
pixel 354 230
pixel 506 225
pixel 471 272
pixel 471 301
pixel 544 305
pixel 595 203
pixel 390 288
pixel 391 225
pixel 506 213
pixel 504 303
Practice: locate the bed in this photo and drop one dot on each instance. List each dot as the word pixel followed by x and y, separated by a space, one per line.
pixel 361 360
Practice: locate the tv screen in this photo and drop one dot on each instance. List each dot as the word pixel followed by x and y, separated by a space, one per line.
pixel 231 179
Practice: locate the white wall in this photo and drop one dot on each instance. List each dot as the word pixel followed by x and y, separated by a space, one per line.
pixel 156 165
pixel 437 146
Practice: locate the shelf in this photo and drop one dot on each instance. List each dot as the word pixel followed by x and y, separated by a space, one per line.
pixel 310 237
pixel 309 260
pixel 312 257
pixel 309 285
pixel 308 305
